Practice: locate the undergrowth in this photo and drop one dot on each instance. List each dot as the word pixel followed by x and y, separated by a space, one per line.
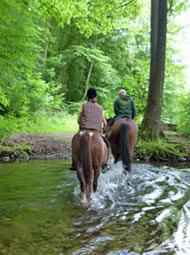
pixel 14 151
pixel 159 149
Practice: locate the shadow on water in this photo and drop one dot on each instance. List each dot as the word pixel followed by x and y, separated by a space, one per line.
pixel 146 212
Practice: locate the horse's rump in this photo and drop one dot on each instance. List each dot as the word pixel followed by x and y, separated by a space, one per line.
pixel 122 137
pixel 89 153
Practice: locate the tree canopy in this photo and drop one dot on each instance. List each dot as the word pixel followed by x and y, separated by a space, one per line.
pixel 53 51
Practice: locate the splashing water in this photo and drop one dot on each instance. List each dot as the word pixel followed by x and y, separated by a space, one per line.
pixel 154 200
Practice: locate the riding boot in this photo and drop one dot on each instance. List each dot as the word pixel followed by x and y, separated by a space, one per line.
pixel 73 166
pixel 106 141
pixel 112 120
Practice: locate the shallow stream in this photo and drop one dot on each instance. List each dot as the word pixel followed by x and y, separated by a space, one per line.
pixel 147 212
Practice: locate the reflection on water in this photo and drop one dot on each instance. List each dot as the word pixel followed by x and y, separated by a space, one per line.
pixel 146 212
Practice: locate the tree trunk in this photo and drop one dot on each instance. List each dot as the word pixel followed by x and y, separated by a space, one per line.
pixel 88 79
pixel 152 117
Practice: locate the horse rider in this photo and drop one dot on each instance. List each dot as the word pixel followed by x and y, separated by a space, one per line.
pixel 91 117
pixel 124 106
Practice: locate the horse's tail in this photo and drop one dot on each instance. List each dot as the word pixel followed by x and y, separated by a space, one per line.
pixel 86 158
pixel 124 149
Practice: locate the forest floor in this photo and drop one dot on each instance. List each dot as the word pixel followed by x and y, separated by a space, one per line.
pixel 58 146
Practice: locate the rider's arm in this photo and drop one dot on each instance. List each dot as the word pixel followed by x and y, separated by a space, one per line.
pixel 116 107
pixel 80 116
pixel 133 108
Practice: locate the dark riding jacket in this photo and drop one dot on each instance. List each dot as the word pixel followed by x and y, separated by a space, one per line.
pixel 124 106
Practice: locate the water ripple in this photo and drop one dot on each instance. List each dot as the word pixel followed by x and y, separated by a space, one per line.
pixel 152 198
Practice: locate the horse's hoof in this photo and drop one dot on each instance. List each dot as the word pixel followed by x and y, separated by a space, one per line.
pixel 127 168
pixel 105 169
pixel 125 172
pixel 84 200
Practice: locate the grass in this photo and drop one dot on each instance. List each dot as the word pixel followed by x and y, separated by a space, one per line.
pixel 44 124
pixel 39 124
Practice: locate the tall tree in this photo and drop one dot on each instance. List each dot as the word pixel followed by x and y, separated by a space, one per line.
pixel 152 117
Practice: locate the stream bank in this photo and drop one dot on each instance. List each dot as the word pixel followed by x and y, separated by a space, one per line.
pixel 21 147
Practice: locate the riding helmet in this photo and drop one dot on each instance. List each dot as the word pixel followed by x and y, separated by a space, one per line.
pixel 91 93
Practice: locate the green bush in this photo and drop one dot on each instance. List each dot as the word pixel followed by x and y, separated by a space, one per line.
pixel 158 149
pixel 184 117
pixel 7 126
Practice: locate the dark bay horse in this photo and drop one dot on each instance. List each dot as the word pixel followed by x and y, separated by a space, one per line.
pixel 122 137
pixel 89 152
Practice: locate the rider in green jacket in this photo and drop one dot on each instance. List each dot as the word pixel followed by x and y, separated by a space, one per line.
pixel 124 106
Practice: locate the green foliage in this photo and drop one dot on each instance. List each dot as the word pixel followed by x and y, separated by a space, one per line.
pixel 176 7
pixel 44 123
pixel 73 108
pixel 158 149
pixel 28 97
pixel 47 48
pixel 15 150
pixel 90 17
pixel 7 126
pixel 3 100
pixel 174 86
pixel 184 116
pixel 47 123
pixel 19 47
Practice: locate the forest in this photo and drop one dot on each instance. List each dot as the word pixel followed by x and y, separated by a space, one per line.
pixel 52 51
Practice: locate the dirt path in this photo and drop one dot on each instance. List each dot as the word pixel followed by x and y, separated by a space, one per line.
pixel 37 146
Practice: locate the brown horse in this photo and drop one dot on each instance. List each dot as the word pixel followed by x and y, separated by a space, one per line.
pixel 122 137
pixel 89 152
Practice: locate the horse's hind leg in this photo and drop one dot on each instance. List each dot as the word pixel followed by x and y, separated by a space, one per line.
pixel 96 175
pixel 95 184
pixel 89 186
pixel 115 152
pixel 83 187
pixel 81 182
pixel 116 158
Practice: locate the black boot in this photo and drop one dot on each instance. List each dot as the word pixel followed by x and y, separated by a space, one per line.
pixel 73 167
pixel 111 121
pixel 106 141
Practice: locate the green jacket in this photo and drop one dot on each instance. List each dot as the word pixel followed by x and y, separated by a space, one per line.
pixel 125 107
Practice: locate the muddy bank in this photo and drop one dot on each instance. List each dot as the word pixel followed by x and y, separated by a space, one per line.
pixel 36 146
